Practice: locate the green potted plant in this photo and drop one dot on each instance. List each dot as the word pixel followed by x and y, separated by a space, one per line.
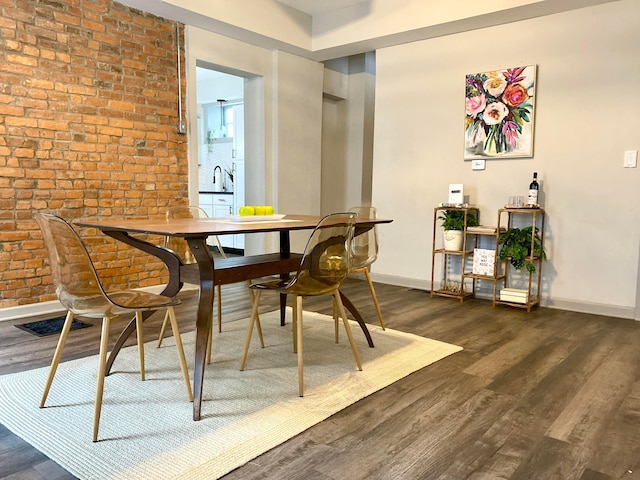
pixel 516 246
pixel 210 140
pixel 454 219
pixel 453 225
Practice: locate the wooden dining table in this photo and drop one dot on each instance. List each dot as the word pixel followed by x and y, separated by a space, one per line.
pixel 207 272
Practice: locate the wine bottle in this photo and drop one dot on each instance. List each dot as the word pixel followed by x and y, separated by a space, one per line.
pixel 533 190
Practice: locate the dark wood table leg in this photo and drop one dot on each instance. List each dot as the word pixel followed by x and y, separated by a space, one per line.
pixel 173 263
pixel 359 230
pixel 204 258
pixel 356 314
pixel 283 304
pixel 285 247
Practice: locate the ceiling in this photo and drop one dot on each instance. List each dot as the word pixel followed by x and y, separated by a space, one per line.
pixel 315 7
pixel 331 21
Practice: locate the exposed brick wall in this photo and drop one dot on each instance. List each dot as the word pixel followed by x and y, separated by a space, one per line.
pixel 88 126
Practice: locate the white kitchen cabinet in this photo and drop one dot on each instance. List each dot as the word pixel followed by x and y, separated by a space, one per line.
pixel 222 204
pixel 223 207
pixel 205 202
pixel 218 205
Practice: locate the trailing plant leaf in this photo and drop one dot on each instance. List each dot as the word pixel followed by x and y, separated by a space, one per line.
pixel 516 246
pixel 454 220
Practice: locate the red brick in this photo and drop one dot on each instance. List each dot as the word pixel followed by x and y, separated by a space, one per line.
pixel 118 76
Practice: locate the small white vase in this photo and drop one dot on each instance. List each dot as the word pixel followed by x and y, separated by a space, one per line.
pixel 452 240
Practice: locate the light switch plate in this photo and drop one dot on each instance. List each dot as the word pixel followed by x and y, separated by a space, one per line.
pixel 631 159
pixel 477 164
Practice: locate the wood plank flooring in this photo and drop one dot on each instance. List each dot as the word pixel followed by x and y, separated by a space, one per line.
pixel 543 395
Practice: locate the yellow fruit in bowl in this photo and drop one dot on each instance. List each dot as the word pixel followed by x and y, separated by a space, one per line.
pixel 246 210
pixel 261 210
pixel 269 210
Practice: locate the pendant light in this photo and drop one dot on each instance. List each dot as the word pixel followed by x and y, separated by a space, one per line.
pixel 222 130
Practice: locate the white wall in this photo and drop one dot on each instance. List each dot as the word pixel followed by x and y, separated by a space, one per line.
pixel 261 22
pixel 283 104
pixel 334 135
pixel 587 108
pixel 298 130
pixel 355 125
pixel 365 20
pixel 347 136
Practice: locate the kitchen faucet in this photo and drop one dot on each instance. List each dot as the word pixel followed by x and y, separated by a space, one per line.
pixel 214 172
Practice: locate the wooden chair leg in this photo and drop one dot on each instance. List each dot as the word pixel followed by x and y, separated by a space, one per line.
pixel 375 297
pixel 56 357
pixel 210 337
pixel 102 363
pixel 210 342
pixel 219 295
pixel 163 329
pixel 294 325
pixel 140 337
pixel 183 361
pixel 299 328
pixel 343 314
pixel 165 322
pixel 219 311
pixel 258 324
pixel 254 315
pixel 335 320
pixel 259 330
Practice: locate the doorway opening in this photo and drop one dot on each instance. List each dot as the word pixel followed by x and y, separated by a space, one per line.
pixel 220 137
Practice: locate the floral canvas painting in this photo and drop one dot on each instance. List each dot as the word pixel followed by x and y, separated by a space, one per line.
pixel 499 113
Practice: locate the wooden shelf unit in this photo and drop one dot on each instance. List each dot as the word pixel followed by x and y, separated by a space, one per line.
pixel 499 266
pixel 534 279
pixel 448 255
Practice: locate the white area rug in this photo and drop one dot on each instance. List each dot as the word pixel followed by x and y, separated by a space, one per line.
pixel 147 431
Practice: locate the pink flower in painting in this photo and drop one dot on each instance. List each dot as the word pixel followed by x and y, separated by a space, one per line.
pixel 510 132
pixel 475 105
pixel 495 113
pixel 515 94
pixel 495 85
pixel 499 106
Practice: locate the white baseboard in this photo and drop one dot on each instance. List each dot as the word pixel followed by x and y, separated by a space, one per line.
pixel 31 310
pixel 417 283
pixel 592 308
pixel 49 308
pixel 560 304
pixel 54 307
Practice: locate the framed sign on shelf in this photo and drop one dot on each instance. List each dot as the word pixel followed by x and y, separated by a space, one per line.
pixel 484 261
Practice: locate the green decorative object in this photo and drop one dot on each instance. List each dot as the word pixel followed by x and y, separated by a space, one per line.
pixel 454 220
pixel 516 246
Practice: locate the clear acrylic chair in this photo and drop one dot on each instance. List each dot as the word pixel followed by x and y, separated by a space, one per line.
pixel 180 246
pixel 79 291
pixel 324 265
pixel 365 252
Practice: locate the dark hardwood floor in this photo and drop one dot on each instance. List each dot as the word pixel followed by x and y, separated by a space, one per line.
pixel 543 395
